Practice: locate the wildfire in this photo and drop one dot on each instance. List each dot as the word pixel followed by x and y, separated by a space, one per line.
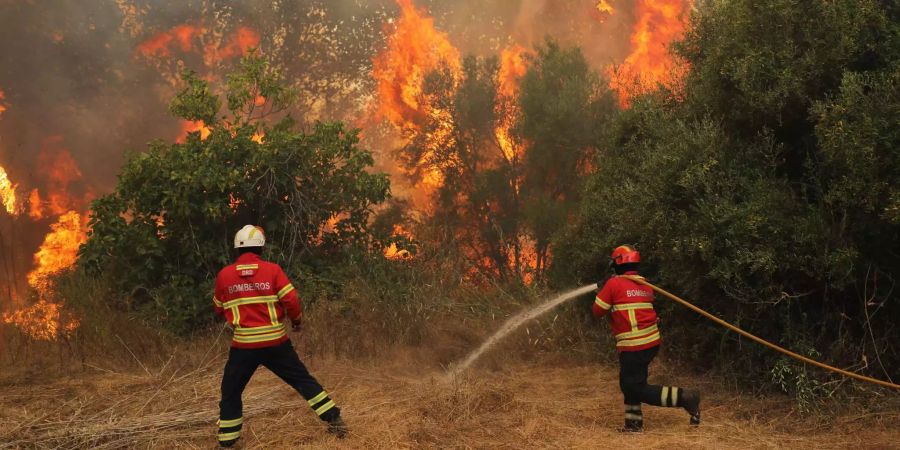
pixel 8 193
pixel 43 320
pixel 2 105
pixel 660 22
pixel 188 38
pixel 189 126
pixel 512 68
pixel 414 48
pixel 60 170
pixel 58 252
pixel 392 252
pixel 604 7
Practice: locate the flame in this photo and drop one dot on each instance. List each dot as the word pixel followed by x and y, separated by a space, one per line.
pixel 159 45
pixel 512 68
pixel 58 252
pixel 238 44
pixel 604 7
pixel 189 126
pixel 8 194
pixel 2 105
pixel 34 205
pixel 414 48
pixel 392 252
pixel 184 37
pixel 43 320
pixel 660 22
pixel 258 137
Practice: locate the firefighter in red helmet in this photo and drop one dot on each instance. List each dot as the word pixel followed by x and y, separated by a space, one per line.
pixel 633 321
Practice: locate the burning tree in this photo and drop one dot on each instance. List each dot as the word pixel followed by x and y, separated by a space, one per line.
pixel 176 206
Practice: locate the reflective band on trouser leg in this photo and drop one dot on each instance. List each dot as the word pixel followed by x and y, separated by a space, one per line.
pixel 229 429
pixel 664 396
pixel 633 412
pixel 668 396
pixel 321 403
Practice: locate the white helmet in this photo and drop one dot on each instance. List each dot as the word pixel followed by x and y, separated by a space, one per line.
pixel 249 236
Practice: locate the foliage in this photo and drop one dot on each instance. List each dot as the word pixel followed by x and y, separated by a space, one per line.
pixel 768 195
pixel 167 228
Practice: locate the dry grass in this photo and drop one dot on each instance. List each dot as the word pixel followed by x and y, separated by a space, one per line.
pixel 403 402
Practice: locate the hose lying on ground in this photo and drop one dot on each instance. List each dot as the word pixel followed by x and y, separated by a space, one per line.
pixel 757 339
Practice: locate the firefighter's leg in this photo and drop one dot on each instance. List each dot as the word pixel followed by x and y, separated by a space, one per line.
pixel 284 362
pixel 667 396
pixel 238 370
pixel 632 379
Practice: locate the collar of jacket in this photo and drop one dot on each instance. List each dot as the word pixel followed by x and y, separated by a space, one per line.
pixel 248 257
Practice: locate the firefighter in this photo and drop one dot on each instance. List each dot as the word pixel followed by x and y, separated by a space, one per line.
pixel 255 297
pixel 633 320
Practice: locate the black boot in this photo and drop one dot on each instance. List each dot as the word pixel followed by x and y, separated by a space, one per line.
pixel 337 427
pixel 690 401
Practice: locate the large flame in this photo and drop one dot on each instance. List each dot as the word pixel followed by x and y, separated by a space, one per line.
pixel 60 170
pixel 414 48
pixel 58 252
pixel 8 193
pixel 659 23
pixel 512 68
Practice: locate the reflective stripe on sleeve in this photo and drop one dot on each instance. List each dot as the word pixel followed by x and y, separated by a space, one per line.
pixel 217 302
pixel 599 302
pixel 285 290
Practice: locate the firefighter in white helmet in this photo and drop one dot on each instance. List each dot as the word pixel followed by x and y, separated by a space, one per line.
pixel 256 297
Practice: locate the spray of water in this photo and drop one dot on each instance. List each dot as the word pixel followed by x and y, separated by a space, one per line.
pixel 515 322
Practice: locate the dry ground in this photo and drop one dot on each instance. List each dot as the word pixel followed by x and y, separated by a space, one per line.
pixel 399 402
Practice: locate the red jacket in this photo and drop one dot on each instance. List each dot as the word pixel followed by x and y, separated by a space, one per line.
pixel 631 313
pixel 255 296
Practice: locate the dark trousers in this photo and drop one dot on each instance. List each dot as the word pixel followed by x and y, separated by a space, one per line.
pixel 633 371
pixel 283 361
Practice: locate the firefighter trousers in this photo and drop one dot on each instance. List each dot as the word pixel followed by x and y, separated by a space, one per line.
pixel 283 361
pixel 633 372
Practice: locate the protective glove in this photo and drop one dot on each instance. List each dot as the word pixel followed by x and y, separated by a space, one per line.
pixel 296 325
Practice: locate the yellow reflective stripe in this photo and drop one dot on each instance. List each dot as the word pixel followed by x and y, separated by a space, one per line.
pixel 285 290
pixel 632 416
pixel 248 331
pixel 228 436
pixel 633 320
pixel 259 337
pixel 236 313
pixel 630 306
pixel 217 302
pixel 251 300
pixel 273 315
pixel 637 333
pixel 325 408
pixel 674 396
pixel 636 342
pixel 317 398
pixel 663 396
pixel 231 422
pixel 602 304
pixel 247 266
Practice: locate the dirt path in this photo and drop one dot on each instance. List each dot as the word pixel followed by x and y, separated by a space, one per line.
pixel 387 406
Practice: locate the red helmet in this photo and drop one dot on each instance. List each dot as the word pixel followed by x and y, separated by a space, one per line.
pixel 624 254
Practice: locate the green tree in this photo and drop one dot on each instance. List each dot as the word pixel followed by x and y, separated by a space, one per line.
pixel 168 225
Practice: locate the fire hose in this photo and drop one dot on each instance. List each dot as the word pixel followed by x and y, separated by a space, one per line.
pixel 758 339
